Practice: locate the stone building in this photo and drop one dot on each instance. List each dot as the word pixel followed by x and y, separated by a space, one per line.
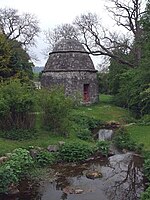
pixel 70 66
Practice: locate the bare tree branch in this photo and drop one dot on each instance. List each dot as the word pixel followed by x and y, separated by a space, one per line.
pixel 23 27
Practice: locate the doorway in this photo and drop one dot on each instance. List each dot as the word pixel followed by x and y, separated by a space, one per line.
pixel 86 96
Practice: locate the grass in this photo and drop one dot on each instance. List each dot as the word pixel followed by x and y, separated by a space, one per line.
pixel 104 110
pixel 43 140
pixel 141 134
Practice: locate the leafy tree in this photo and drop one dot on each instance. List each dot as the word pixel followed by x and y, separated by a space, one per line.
pixel 16 103
pixel 5 54
pixel 14 60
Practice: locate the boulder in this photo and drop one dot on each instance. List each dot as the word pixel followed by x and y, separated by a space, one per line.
pixel 3 159
pixel 53 148
pixel 94 175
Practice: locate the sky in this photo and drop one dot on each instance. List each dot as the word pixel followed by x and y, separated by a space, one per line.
pixel 51 13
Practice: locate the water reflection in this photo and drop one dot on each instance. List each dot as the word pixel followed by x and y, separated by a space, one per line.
pixel 122 179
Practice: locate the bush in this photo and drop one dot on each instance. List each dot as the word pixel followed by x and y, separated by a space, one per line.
pixel 18 164
pixel 56 109
pixel 18 134
pixel 74 152
pixel 147 165
pixel 103 147
pixel 7 177
pixel 85 121
pixel 146 195
pixel 16 102
pixel 122 140
pixel 45 158
pixel 145 120
pixel 84 134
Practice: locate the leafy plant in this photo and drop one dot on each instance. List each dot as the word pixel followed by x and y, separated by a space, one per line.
pixel 84 134
pixel 19 163
pixel 74 151
pixel 55 107
pixel 122 140
pixel 146 195
pixel 103 147
pixel 16 104
pixel 7 177
pixel 45 158
pixel 85 121
pixel 18 134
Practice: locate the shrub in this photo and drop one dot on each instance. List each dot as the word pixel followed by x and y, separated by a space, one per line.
pixel 146 195
pixel 85 121
pixel 145 120
pixel 56 109
pixel 74 152
pixel 45 158
pixel 18 164
pixel 17 101
pixel 103 147
pixel 147 165
pixel 20 161
pixel 18 134
pixel 84 134
pixel 7 177
pixel 122 140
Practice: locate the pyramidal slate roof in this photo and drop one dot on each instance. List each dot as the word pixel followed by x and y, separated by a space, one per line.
pixel 69 55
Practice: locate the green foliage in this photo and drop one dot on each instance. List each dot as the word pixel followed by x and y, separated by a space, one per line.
pixel 45 158
pixel 146 195
pixel 20 161
pixel 85 121
pixel 134 92
pixel 15 61
pixel 56 108
pixel 7 177
pixel 145 120
pixel 19 134
pixel 18 164
pixel 16 103
pixel 122 140
pixel 84 134
pixel 103 147
pixel 103 82
pixel 74 152
pixel 147 165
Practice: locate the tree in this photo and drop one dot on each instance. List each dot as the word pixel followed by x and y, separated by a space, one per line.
pixel 5 54
pixel 66 31
pixel 14 60
pixel 100 41
pixel 127 14
pixel 23 28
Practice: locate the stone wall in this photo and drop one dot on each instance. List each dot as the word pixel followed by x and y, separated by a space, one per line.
pixel 73 82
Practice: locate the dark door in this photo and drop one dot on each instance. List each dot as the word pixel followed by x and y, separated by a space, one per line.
pixel 86 96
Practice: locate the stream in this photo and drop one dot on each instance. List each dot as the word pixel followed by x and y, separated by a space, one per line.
pixel 122 179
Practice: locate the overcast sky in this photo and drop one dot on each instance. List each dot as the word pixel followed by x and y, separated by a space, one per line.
pixel 51 13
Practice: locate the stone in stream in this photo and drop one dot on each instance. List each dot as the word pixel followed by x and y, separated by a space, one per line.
pixel 94 175
pixel 105 134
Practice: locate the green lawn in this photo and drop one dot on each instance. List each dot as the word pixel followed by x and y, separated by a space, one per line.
pixel 141 134
pixel 104 110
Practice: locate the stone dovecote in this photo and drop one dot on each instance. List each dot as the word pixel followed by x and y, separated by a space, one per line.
pixel 70 66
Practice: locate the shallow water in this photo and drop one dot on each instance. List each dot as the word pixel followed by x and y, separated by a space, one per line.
pixel 122 179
